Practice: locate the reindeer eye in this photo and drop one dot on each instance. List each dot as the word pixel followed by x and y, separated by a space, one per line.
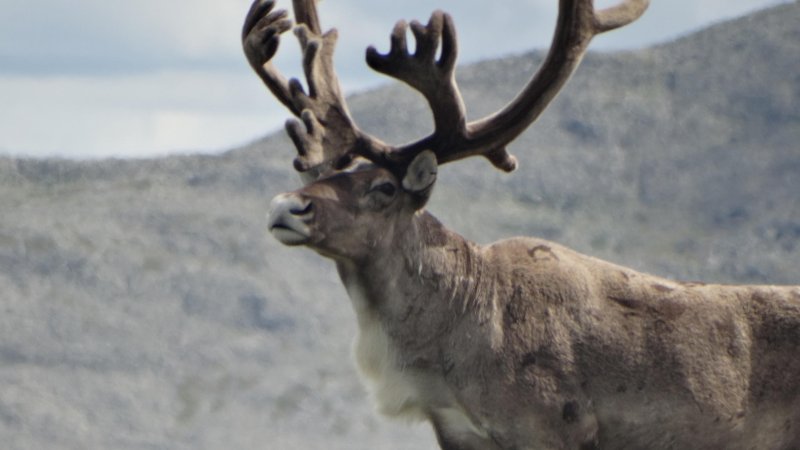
pixel 386 188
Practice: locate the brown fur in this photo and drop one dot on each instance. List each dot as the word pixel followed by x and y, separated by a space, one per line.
pixel 522 344
pixel 538 346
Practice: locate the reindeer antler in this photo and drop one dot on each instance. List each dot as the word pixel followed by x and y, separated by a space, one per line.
pixel 435 80
pixel 327 135
pixel 453 138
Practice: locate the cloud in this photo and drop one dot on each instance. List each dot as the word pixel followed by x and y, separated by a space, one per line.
pixel 136 78
pixel 96 36
pixel 133 115
pixel 101 36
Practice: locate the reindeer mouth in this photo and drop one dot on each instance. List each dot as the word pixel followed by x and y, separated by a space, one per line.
pixel 288 235
pixel 288 220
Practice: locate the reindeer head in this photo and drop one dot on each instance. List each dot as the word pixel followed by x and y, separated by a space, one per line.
pixel 350 214
pixel 358 188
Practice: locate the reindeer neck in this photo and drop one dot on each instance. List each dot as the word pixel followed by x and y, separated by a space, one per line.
pixel 424 269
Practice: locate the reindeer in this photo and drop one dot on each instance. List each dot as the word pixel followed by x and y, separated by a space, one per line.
pixel 521 344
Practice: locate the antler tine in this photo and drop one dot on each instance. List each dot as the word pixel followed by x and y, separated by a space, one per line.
pixel 618 16
pixel 260 39
pixel 578 22
pixel 305 12
pixel 433 78
pixel 326 134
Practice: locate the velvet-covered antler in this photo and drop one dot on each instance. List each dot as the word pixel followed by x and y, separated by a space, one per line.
pixel 325 133
pixel 453 138
pixel 326 136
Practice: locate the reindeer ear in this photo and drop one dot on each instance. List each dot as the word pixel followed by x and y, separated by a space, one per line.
pixel 420 177
pixel 421 173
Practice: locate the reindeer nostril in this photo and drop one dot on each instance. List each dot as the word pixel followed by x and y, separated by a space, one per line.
pixel 302 210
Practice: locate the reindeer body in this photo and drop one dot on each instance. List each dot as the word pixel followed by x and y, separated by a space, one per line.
pixel 522 344
pixel 526 341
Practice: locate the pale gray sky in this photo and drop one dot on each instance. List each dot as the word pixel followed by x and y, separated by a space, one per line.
pixel 95 78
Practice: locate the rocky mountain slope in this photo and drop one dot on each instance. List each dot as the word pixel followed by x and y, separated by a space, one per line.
pixel 144 306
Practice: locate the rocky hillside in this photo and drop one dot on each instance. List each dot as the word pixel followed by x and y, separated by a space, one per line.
pixel 144 306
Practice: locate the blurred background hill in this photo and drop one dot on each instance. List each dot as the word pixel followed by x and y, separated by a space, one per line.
pixel 144 306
